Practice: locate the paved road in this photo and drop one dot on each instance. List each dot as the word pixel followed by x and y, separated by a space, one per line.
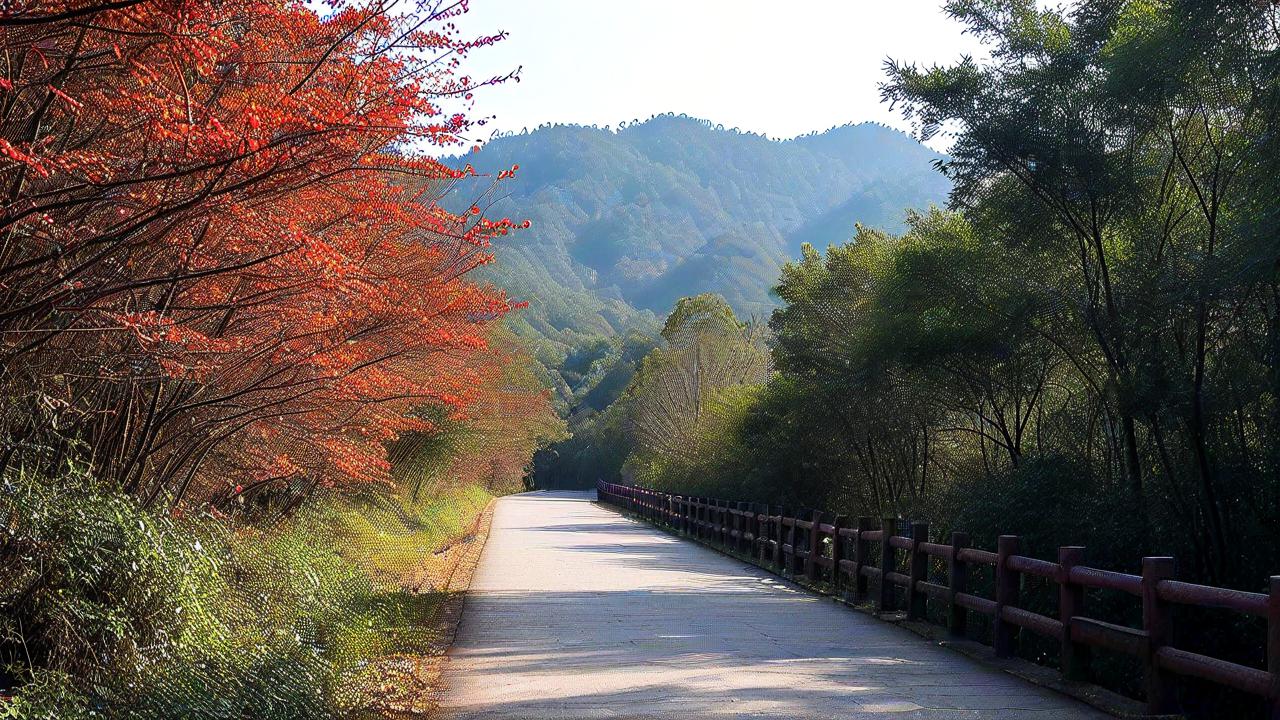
pixel 577 612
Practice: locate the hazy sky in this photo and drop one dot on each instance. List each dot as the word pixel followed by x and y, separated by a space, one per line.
pixel 779 68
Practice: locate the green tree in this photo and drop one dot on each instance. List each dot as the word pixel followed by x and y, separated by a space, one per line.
pixel 1133 196
pixel 707 350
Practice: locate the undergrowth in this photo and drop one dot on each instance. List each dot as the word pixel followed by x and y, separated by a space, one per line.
pixel 107 610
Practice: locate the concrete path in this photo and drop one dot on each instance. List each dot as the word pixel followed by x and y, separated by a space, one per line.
pixel 577 612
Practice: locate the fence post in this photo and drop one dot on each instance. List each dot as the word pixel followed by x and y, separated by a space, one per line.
pixel 917 608
pixel 837 554
pixel 797 562
pixel 1075 656
pixel 957 582
pixel 888 563
pixel 731 521
pixel 730 525
pixel 789 533
pixel 811 566
pixel 775 533
pixel 1007 582
pixel 1157 621
pixel 1273 646
pixel 735 525
pixel 765 534
pixel 763 531
pixel 758 530
pixel 861 554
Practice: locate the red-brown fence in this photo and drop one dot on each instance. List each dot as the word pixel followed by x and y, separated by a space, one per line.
pixel 825 548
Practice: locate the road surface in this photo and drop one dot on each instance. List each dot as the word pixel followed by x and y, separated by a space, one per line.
pixel 578 612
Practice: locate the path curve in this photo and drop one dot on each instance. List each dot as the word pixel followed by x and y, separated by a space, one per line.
pixel 578 612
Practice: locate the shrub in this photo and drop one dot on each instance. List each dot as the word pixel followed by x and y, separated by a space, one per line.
pixel 111 611
pixel 94 585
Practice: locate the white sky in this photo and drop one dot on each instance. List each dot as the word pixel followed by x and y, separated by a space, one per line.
pixel 771 67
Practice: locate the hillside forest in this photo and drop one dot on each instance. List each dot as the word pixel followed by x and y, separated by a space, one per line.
pixel 274 329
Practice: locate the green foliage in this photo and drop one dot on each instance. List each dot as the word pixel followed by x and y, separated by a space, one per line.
pixel 90 575
pixel 716 451
pixel 114 609
pixel 49 694
pixel 596 446
pixel 1122 155
pixel 697 317
pixel 1084 350
pixel 1049 502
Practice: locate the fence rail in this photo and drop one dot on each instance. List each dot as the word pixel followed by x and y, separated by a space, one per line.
pixel 818 546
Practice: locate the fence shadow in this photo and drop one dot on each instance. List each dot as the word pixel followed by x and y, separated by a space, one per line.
pixel 634 623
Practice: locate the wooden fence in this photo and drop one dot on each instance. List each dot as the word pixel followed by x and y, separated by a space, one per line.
pixel 824 548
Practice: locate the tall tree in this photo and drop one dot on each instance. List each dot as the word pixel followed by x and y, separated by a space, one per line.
pixel 1131 190
pixel 224 266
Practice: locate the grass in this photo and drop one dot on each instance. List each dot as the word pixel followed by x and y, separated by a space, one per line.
pixel 116 612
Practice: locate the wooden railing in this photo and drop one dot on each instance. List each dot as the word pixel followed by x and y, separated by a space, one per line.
pixel 821 548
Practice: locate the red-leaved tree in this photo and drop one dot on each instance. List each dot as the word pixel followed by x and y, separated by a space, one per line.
pixel 225 268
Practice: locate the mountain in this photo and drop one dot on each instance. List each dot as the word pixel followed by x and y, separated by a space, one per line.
pixel 626 221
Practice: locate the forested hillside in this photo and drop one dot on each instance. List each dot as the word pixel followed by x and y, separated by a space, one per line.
pixel 626 221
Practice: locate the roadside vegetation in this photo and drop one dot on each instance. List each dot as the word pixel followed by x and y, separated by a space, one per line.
pixel 252 403
pixel 117 612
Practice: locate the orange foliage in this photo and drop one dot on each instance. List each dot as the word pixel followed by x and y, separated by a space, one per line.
pixel 225 269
